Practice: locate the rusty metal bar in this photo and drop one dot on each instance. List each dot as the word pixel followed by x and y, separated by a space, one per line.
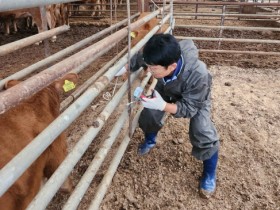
pixel 89 82
pixel 83 11
pixel 93 4
pixel 222 24
pixel 239 52
pixel 229 27
pixel 107 179
pixel 232 19
pixel 51 59
pixel 21 4
pixel 227 15
pixel 222 3
pixel 16 94
pixel 196 9
pixel 128 71
pixel 265 41
pixel 8 48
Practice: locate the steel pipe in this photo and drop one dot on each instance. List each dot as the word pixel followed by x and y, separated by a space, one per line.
pixel 51 187
pixel 21 4
pixel 92 169
pixel 15 168
pixel 107 179
pixel 239 52
pixel 229 27
pixel 178 2
pixel 227 15
pixel 16 94
pixel 8 48
pixel 59 55
pixel 265 41
pixel 89 82
pixel 85 181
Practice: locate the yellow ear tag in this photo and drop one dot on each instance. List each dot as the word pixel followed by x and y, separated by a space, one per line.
pixel 68 85
pixel 133 34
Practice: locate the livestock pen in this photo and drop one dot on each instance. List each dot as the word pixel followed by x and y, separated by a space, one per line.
pixel 244 109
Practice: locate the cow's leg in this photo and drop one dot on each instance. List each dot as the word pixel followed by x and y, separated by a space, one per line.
pixel 14 25
pixel 28 22
pixel 103 7
pixel 67 13
pixel 51 20
pixel 7 26
pixel 38 21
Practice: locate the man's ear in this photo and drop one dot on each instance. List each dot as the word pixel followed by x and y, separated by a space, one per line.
pixel 172 67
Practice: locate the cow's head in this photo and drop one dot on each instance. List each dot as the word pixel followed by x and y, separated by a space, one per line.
pixel 66 83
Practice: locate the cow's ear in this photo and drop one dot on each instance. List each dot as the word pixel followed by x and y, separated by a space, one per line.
pixel 11 83
pixel 134 34
pixel 67 83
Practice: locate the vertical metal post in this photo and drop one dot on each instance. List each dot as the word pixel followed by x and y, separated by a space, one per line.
pixel 128 69
pixel 171 16
pixel 196 9
pixel 111 12
pixel 222 24
pixel 143 6
pixel 146 6
pixel 115 9
pixel 139 5
pixel 163 11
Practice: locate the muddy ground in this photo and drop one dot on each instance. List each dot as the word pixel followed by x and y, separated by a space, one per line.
pixel 245 110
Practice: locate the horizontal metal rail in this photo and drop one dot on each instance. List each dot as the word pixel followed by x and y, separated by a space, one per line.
pixel 239 52
pixel 227 15
pixel 19 92
pixel 85 181
pixel 230 18
pixel 89 82
pixel 221 3
pixel 20 4
pixel 229 28
pixel 107 179
pixel 51 187
pixel 59 55
pixel 231 40
pixel 16 167
pixel 83 11
pixel 11 47
pixel 94 4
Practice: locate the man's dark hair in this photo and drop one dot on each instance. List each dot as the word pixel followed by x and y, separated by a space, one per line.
pixel 161 49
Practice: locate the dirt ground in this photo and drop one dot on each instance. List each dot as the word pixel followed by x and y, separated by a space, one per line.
pixel 245 110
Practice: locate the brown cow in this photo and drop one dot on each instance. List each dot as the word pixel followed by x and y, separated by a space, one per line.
pixel 98 6
pixel 35 13
pixel 18 127
pixel 143 30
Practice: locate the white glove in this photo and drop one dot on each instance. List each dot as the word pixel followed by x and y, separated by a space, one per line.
pixel 121 72
pixel 156 102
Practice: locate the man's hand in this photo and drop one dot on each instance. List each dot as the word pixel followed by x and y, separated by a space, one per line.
pixel 156 102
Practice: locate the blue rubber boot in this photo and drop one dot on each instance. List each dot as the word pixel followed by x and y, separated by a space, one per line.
pixel 149 143
pixel 208 180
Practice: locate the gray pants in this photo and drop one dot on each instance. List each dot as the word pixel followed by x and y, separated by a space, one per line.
pixel 202 132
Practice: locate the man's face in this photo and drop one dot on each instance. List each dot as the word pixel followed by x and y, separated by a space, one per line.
pixel 160 71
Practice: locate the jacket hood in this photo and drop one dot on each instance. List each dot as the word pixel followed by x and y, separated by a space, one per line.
pixel 189 52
